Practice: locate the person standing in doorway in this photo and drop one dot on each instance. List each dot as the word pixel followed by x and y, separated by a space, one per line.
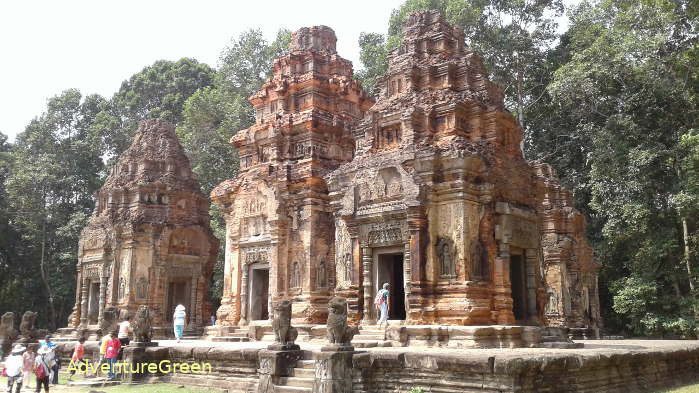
pixel 178 320
pixel 381 302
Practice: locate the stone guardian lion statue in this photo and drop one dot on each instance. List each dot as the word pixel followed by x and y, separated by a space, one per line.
pixel 338 331
pixel 142 325
pixel 284 333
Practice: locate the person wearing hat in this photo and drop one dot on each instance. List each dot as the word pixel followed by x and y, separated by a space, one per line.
pixel 45 359
pixel 13 368
pixel 178 320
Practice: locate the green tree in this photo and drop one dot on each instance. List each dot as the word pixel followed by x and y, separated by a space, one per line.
pixel 55 167
pixel 158 91
pixel 627 99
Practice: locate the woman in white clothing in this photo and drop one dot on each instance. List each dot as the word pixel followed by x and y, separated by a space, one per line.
pixel 178 319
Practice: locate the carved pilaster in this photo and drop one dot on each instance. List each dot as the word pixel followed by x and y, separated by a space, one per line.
pixel 367 268
pixel 532 285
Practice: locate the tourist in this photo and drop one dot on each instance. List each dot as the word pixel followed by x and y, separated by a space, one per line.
pixel 103 348
pixel 213 320
pixel 111 353
pixel 125 331
pixel 178 319
pixel 27 366
pixel 42 367
pixel 381 302
pixel 56 361
pixel 77 359
pixel 13 368
pixel 47 342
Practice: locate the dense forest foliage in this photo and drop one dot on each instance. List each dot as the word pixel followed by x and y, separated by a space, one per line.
pixel 612 103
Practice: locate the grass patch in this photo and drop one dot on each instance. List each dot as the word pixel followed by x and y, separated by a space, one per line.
pixel 686 389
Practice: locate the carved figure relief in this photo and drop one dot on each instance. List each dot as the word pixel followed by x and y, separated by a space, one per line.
pixel 296 275
pixel 446 257
pixel 479 261
pixel 322 281
pixel 122 288
pixel 384 235
pixel 552 305
pixel 347 264
pixel 256 255
pixel 142 288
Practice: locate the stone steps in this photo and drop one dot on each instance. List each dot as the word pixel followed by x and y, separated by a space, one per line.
pixel 371 343
pixel 306 364
pixel 362 336
pixel 299 382
pixel 231 339
pixel 291 389
pixel 304 372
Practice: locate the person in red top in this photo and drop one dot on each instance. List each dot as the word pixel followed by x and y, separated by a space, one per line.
pixel 112 353
pixel 76 361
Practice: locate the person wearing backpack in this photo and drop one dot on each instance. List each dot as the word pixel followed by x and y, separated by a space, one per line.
pixel 381 303
pixel 42 367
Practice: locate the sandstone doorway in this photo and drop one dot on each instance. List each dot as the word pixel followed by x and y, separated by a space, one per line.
pixel 259 293
pixel 178 293
pixel 390 270
pixel 518 280
pixel 93 303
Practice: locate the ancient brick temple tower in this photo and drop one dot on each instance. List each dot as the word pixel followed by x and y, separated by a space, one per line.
pixel 440 203
pixel 148 241
pixel 280 233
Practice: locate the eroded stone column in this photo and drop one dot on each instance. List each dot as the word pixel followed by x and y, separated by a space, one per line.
pixel 531 263
pixel 418 243
pixel 503 286
pixel 367 279
pixel 244 294
pixel 84 299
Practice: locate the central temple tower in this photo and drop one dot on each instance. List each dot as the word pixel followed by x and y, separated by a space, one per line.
pixel 279 226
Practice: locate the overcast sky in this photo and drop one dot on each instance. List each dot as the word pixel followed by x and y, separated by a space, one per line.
pixel 92 45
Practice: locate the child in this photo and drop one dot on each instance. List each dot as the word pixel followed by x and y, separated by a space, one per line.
pixel 77 359
pixel 28 365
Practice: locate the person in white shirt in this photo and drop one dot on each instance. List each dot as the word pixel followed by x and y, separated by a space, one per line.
pixel 125 331
pixel 13 368
pixel 178 320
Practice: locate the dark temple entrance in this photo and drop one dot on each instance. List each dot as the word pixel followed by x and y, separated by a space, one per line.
pixel 93 304
pixel 178 293
pixel 519 288
pixel 390 270
pixel 259 293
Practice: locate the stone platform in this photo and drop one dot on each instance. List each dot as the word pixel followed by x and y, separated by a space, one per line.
pixel 398 334
pixel 603 366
